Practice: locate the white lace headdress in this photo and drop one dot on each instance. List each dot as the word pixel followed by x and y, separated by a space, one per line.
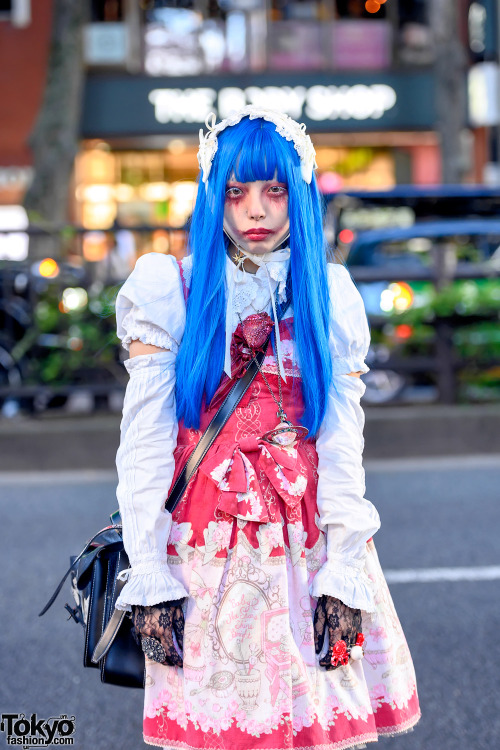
pixel 285 126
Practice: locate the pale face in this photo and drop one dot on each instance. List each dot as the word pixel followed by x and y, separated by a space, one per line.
pixel 256 214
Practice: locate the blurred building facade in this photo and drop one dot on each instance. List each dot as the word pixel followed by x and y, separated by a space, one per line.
pixel 359 74
pixel 361 81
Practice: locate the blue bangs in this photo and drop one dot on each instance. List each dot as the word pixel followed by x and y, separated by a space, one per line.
pixel 260 159
pixel 253 150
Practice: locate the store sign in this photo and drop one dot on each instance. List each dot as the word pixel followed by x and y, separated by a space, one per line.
pixel 318 103
pixel 137 106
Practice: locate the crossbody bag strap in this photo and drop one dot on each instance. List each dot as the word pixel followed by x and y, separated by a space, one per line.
pixel 219 420
pixel 217 423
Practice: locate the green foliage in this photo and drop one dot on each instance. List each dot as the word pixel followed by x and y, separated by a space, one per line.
pixel 461 298
pixel 472 309
pixel 78 345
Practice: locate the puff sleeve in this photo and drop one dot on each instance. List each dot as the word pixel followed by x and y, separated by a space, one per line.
pixel 348 518
pixel 149 307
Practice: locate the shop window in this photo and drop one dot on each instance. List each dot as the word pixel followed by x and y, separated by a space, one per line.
pixel 18 12
pixel 355 168
pixel 105 39
pixel 148 188
pixel 356 9
pixel 108 11
pixel 181 40
pixel 414 37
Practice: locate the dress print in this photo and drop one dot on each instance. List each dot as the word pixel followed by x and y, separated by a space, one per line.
pixel 246 542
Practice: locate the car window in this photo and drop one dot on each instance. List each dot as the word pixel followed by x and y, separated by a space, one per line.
pixel 417 252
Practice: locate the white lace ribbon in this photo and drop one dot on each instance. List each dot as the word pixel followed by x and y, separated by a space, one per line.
pixel 285 126
pixel 261 261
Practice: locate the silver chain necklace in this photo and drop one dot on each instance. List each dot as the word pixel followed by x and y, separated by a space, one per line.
pixel 285 433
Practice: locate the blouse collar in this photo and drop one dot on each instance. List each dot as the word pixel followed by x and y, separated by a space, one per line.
pixel 244 287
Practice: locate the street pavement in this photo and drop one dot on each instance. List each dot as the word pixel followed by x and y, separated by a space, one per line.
pixel 437 515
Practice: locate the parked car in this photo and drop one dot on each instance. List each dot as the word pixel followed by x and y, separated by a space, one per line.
pixel 411 276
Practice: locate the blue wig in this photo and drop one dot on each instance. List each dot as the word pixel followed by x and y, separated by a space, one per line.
pixel 253 150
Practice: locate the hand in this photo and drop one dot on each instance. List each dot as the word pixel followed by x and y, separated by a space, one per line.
pixel 161 621
pixel 342 622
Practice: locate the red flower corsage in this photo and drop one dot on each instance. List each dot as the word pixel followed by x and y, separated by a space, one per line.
pixel 339 654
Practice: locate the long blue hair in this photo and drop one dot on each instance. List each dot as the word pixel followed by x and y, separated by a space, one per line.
pixel 253 150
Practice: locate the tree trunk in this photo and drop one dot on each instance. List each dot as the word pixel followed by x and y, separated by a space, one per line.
pixel 54 139
pixel 450 86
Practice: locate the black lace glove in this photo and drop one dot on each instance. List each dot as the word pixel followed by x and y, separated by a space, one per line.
pixel 161 621
pixel 342 623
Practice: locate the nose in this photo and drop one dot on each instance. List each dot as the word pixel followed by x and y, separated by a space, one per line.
pixel 255 205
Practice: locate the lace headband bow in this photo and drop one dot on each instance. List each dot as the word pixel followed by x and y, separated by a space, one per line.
pixel 285 126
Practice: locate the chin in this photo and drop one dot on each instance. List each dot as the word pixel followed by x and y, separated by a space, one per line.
pixel 259 248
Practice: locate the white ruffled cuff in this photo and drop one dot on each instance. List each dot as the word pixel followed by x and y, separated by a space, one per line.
pixel 354 362
pixel 148 333
pixel 149 583
pixel 345 579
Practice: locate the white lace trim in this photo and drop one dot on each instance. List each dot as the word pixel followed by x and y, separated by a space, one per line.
pixel 348 582
pixel 149 333
pixel 354 362
pixel 251 291
pixel 187 267
pixel 273 370
pixel 285 126
pixel 150 588
pixel 149 566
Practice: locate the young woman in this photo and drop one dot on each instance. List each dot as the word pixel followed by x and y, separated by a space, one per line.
pixel 267 620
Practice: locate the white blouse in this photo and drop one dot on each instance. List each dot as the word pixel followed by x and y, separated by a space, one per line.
pixel 150 307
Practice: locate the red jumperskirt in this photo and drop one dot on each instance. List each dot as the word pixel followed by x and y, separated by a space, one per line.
pixel 246 543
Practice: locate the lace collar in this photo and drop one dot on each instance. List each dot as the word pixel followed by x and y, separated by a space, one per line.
pixel 249 293
pixel 250 290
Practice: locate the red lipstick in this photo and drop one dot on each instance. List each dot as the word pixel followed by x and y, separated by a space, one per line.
pixel 257 234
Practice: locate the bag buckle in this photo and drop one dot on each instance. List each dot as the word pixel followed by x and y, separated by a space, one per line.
pixel 74 613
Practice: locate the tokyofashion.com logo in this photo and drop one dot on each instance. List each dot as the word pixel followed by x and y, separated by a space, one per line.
pixel 23 731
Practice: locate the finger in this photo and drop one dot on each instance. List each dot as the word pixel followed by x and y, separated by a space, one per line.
pixel 145 630
pixel 319 626
pixel 334 634
pixel 356 627
pixel 179 627
pixel 175 660
pixel 326 661
pixel 167 641
pixel 317 634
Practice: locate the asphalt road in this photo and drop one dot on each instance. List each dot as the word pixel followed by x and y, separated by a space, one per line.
pixel 435 516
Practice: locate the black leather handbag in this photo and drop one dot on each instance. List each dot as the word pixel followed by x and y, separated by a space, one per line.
pixel 109 643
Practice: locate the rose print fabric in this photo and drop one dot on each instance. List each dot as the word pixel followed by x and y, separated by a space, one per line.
pixel 246 543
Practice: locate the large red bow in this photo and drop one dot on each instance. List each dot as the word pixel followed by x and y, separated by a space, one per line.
pixel 249 337
pixel 235 476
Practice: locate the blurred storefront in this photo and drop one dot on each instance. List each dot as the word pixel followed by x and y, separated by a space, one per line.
pixel 24 42
pixel 358 74
pixel 372 132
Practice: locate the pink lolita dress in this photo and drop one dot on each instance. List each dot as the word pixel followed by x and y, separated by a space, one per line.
pixel 261 532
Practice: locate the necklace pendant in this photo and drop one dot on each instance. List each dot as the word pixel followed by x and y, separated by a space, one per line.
pixel 256 329
pixel 239 258
pixel 285 434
